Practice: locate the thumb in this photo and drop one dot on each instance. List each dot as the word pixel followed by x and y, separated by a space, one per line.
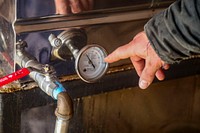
pixel 148 75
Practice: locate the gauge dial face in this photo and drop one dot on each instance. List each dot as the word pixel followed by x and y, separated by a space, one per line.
pixel 90 65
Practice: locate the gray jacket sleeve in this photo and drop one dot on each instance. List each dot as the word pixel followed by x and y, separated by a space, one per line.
pixel 175 33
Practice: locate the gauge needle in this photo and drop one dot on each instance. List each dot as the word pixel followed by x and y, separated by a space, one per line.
pixel 90 61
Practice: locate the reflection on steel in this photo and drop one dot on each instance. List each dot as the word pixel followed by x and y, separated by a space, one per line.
pixel 8 10
pixel 82 19
pixel 7 39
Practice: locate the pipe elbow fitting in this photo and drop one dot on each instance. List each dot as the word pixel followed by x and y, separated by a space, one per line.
pixel 64 108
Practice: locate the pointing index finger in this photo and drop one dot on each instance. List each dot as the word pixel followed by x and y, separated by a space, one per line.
pixel 122 52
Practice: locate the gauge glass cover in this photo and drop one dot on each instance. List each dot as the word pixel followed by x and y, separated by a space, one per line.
pixel 90 65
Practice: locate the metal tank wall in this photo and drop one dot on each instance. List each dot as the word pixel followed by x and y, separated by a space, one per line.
pixel 113 104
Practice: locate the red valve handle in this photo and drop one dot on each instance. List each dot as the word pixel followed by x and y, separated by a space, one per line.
pixel 14 76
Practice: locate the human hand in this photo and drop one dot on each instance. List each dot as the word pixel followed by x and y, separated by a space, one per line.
pixel 143 57
pixel 72 6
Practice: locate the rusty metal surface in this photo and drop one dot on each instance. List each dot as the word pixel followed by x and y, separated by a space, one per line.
pixel 70 78
pixel 15 103
pixel 171 106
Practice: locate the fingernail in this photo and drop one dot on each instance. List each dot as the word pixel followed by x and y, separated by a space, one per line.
pixel 143 84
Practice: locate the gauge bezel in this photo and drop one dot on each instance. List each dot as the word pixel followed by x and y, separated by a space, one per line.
pixel 77 61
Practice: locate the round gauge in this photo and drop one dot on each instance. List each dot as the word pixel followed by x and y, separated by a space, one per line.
pixel 89 63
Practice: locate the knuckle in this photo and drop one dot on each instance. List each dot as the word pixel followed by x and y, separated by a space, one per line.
pixel 153 63
pixel 149 74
